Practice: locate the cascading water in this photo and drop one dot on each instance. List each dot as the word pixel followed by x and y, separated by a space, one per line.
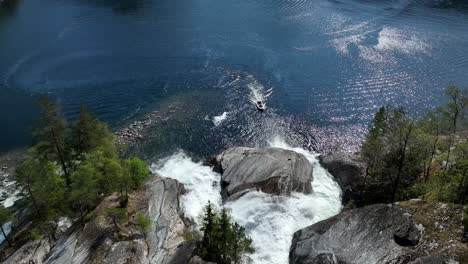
pixel 270 220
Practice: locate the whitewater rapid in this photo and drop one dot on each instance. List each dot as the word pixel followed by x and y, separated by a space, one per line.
pixel 268 219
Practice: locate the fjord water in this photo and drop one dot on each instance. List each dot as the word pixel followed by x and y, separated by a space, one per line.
pixel 327 64
pixel 323 67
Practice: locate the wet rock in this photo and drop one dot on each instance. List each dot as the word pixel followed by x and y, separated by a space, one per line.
pixel 347 172
pixel 373 234
pixel 271 170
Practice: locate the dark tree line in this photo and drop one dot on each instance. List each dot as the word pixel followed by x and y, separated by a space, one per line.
pixel 407 158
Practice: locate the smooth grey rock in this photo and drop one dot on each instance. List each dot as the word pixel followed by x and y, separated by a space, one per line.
pixel 373 234
pixel 169 224
pixel 271 170
pixel 164 242
pixel 125 252
pixel 348 173
pixel 32 252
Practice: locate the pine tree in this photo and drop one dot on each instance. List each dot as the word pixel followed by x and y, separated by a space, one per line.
pixel 223 242
pixel 50 135
pixel 136 172
pixel 209 231
pixel 43 186
pixel 90 134
pixel 226 237
pixel 84 193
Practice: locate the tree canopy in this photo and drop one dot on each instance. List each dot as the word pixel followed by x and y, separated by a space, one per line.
pixel 71 168
pixel 427 157
pixel 224 241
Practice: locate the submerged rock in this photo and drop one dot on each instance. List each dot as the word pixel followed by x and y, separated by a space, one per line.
pixel 374 234
pixel 271 170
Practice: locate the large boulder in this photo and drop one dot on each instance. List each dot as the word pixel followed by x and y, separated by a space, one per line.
pixel 347 172
pixel 271 170
pixel 373 234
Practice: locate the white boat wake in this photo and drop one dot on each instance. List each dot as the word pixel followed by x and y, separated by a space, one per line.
pixel 258 92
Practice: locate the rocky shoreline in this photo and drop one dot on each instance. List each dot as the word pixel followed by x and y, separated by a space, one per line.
pixel 400 233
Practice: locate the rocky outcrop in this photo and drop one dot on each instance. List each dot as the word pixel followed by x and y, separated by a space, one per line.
pixel 442 231
pixel 165 239
pixel 271 170
pixel 415 232
pixel 31 252
pixel 374 234
pixel 98 241
pixel 347 172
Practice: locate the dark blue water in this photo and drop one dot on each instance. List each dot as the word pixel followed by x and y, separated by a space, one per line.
pixel 327 64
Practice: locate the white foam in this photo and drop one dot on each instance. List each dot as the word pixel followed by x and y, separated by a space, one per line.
pixel 270 220
pixel 218 119
pixel 201 181
pixel 258 92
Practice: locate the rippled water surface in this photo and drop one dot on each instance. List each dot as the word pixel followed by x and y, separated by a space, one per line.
pixel 323 66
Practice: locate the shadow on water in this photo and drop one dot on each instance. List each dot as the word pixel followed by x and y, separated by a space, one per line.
pixel 119 6
pixel 9 7
pixel 20 107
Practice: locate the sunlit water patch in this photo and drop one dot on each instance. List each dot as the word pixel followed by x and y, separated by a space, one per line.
pixel 270 220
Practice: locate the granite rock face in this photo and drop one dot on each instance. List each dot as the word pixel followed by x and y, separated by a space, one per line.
pixel 271 170
pixel 347 172
pixel 31 252
pixel 98 241
pixel 373 234
pixel 165 239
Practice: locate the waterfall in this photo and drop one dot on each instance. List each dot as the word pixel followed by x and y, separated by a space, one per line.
pixel 268 219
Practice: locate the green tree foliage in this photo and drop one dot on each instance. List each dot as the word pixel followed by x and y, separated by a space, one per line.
pixel 143 223
pixel 136 172
pixel 391 152
pixel 50 135
pixel 84 193
pixel 5 217
pixel 44 187
pixel 71 169
pixel 118 215
pixel 407 158
pixel 90 134
pixel 224 241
